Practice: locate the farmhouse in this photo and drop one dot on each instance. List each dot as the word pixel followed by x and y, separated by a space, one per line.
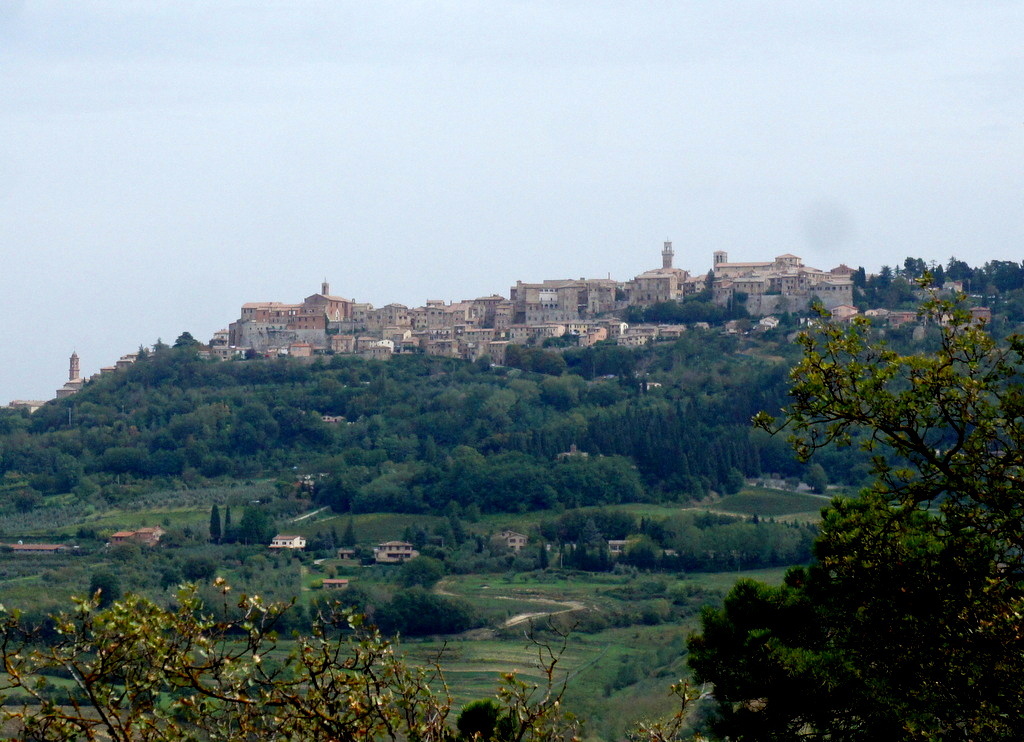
pixel 288 541
pixel 394 552
pixel 37 548
pixel 513 540
pixel 149 536
pixel 617 546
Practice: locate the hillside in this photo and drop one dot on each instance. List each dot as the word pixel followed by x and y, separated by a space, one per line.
pixel 574 449
pixel 415 433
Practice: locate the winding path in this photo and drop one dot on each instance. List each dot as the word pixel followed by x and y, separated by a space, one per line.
pixel 569 607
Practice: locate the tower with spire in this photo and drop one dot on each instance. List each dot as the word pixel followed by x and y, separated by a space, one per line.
pixel 666 255
pixel 75 381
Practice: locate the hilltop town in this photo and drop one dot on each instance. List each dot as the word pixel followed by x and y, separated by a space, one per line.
pixel 562 312
pixel 584 311
pixel 580 311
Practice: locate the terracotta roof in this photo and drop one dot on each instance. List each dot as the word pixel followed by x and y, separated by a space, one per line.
pixel 330 297
pixel 658 272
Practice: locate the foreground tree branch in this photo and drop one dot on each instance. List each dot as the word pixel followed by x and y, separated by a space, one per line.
pixel 138 672
pixel 909 624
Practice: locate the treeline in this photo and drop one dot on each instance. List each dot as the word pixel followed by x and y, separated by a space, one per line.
pixel 998 284
pixel 691 541
pixel 688 542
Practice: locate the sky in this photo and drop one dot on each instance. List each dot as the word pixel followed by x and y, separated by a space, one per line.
pixel 164 161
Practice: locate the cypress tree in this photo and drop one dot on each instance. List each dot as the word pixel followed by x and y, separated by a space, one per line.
pixel 349 537
pixel 215 532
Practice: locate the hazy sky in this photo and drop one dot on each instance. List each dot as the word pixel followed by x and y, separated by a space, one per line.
pixel 163 162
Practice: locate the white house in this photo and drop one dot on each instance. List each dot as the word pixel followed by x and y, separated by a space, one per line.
pixel 288 542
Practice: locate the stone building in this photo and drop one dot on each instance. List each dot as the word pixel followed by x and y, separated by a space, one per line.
pixel 663 284
pixel 272 325
pixel 781 285
pixel 75 381
pixel 565 300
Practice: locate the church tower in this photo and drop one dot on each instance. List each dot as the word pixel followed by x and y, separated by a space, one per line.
pixel 666 255
pixel 325 288
pixel 73 370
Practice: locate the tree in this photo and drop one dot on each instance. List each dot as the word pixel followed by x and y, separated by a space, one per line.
pixel 908 625
pixel 199 569
pixel 945 429
pixel 26 500
pixel 185 340
pixel 816 478
pixel 733 481
pixel 642 553
pixel 255 526
pixel 348 538
pixel 107 585
pixel 478 719
pixel 422 571
pixel 215 530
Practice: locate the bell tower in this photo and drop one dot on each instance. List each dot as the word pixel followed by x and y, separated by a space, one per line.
pixel 73 369
pixel 325 288
pixel 666 255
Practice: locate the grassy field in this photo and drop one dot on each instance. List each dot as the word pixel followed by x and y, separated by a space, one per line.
pixel 626 641
pixel 770 503
pixel 369 528
pixel 615 676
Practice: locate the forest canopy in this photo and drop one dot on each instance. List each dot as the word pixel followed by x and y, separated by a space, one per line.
pixel 416 432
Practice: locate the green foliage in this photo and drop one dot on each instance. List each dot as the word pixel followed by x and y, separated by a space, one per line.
pixel 419 431
pixel 421 571
pixel 185 340
pixel 534 359
pixel 909 624
pixel 697 308
pixel 215 526
pixel 107 585
pixel 144 673
pixel 199 569
pixel 416 612
pixel 816 478
pixel 900 631
pixel 733 481
pixel 349 537
pixel 478 719
pixel 254 527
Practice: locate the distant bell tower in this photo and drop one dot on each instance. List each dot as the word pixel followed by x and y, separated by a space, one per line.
pixel 666 255
pixel 73 370
pixel 325 288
